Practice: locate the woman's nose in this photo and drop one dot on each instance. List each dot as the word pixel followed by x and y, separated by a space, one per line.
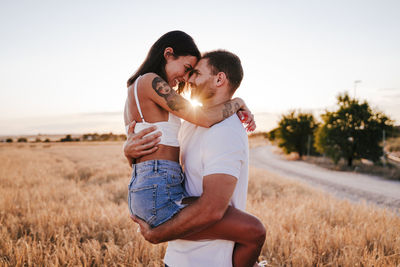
pixel 186 77
pixel 190 79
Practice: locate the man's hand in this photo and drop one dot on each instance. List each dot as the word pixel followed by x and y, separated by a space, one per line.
pixel 209 208
pixel 136 146
pixel 145 230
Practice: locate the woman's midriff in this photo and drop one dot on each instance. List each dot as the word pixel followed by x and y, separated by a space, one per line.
pixel 163 152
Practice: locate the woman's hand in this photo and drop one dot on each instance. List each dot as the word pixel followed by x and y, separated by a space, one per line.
pixel 136 146
pixel 246 117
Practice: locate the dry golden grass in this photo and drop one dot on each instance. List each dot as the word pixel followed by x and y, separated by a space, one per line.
pixel 65 204
pixel 257 140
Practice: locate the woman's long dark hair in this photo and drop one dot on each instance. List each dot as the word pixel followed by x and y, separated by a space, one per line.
pixel 180 42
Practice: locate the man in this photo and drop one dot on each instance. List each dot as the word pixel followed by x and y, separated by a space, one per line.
pixel 215 161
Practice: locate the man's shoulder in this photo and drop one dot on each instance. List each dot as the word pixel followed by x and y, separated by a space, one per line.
pixel 231 124
pixel 230 128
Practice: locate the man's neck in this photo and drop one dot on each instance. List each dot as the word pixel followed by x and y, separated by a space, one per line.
pixel 215 100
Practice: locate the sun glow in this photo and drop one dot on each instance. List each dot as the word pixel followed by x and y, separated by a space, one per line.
pixel 195 103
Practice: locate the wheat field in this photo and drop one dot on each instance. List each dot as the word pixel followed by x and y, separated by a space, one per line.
pixel 65 204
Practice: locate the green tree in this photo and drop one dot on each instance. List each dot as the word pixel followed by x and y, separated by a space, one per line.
pixel 295 132
pixel 353 131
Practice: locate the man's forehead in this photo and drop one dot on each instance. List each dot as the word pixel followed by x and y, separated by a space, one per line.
pixel 203 63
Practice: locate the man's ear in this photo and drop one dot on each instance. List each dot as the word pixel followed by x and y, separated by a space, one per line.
pixel 168 53
pixel 221 78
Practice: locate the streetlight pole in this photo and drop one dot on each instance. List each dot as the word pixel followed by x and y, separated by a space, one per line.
pixel 383 147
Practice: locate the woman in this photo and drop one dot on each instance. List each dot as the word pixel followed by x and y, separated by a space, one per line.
pixel 151 101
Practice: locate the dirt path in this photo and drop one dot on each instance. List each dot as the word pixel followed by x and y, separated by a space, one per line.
pixel 352 186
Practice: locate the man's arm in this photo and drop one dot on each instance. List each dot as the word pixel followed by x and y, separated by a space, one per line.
pixel 205 211
pixel 136 146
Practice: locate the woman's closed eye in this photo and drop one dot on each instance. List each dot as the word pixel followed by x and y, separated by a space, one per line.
pixel 193 71
pixel 188 69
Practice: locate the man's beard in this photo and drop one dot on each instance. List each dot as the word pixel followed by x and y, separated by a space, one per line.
pixel 201 92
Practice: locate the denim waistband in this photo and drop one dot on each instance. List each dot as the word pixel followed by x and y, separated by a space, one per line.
pixel 157 164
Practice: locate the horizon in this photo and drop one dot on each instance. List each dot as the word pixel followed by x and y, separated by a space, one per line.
pixel 112 122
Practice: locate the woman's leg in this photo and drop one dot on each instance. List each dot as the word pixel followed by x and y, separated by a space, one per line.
pixel 244 229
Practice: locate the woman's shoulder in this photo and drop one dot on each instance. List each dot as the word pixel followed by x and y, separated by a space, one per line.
pixel 149 77
pixel 143 82
pixel 146 80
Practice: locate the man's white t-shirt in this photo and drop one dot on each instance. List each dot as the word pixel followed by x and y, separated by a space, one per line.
pixel 223 148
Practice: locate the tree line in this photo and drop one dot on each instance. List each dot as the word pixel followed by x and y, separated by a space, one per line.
pixel 69 138
pixel 352 131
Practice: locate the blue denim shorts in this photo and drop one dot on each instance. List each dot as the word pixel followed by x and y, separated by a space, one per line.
pixel 156 191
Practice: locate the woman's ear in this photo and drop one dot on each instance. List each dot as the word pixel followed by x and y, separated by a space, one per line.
pixel 168 53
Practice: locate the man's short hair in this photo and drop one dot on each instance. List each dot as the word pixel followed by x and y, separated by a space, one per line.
pixel 227 62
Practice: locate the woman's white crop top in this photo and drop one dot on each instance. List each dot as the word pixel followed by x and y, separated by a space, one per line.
pixel 169 129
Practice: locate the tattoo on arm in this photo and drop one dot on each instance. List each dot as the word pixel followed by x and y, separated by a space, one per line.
pixel 227 111
pixel 174 101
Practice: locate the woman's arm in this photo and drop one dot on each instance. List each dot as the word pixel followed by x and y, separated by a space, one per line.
pixel 167 98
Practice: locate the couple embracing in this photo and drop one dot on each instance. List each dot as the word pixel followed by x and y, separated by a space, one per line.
pixel 189 179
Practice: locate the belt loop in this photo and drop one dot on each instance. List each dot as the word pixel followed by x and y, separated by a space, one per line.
pixel 155 165
pixel 134 170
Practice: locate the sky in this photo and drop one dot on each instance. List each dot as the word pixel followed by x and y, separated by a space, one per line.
pixel 64 64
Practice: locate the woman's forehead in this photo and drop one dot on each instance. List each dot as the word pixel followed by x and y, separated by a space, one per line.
pixel 190 60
